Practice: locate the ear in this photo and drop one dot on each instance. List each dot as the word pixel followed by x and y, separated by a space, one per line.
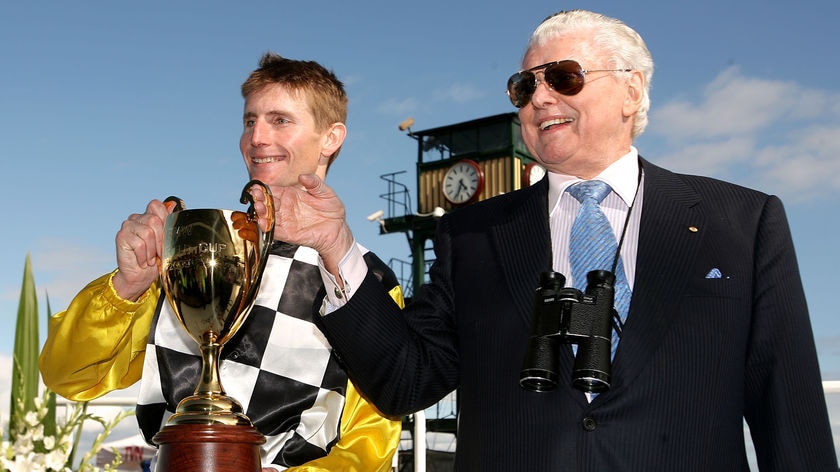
pixel 333 138
pixel 635 91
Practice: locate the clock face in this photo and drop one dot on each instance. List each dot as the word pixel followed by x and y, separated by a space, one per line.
pixel 533 174
pixel 463 182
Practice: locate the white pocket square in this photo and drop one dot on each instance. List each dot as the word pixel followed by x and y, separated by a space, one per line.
pixel 714 274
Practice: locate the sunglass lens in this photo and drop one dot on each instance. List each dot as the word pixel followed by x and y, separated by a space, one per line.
pixel 520 87
pixel 565 77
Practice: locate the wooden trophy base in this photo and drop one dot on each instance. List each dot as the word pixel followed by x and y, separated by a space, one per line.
pixel 208 448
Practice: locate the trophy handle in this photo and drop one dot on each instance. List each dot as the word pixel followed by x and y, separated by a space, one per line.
pixel 179 204
pixel 246 197
pixel 267 238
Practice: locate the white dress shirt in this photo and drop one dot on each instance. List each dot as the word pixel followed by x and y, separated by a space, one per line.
pixel 623 177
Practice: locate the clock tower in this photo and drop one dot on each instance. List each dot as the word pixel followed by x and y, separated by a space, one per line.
pixel 457 165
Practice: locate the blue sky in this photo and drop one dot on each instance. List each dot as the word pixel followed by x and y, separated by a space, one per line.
pixel 105 105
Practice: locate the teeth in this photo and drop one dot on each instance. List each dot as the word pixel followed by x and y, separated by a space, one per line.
pixel 559 121
pixel 264 160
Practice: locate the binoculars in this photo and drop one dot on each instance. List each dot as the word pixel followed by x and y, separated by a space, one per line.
pixel 565 315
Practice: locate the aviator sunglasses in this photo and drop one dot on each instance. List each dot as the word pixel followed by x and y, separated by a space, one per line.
pixel 565 77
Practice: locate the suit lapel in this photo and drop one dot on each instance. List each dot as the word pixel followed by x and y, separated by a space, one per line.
pixel 667 247
pixel 523 256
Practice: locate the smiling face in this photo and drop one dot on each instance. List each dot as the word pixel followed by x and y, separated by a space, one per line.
pixel 280 139
pixel 580 134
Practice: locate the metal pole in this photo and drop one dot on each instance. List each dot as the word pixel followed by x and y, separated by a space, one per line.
pixel 420 441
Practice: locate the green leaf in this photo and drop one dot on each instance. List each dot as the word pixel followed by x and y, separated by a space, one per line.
pixel 49 419
pixel 25 357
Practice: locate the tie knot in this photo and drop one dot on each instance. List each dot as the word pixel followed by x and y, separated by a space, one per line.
pixel 590 189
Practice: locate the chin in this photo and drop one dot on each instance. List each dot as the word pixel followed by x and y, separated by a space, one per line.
pixel 262 174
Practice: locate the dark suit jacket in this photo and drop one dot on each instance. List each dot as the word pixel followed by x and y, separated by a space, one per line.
pixel 697 355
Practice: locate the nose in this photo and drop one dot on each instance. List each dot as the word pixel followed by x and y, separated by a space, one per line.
pixel 259 136
pixel 542 90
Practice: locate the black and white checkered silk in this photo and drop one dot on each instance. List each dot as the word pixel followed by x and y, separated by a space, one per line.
pixel 279 365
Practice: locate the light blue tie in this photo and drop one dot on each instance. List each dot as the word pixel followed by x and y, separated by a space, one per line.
pixel 592 245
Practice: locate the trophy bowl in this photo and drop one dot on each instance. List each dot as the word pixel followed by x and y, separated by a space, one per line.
pixel 210 270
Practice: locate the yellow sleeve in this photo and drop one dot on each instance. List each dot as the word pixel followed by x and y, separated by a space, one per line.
pixel 368 440
pixel 97 345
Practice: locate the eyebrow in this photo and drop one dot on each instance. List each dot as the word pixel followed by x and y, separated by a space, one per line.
pixel 274 112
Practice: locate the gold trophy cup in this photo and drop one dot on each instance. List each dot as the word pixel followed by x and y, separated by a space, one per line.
pixel 211 267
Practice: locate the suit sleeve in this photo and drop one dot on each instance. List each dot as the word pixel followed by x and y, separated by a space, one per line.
pixel 97 345
pixel 403 360
pixel 785 404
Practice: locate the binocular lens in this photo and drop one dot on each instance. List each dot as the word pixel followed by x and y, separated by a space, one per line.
pixel 591 381
pixel 540 373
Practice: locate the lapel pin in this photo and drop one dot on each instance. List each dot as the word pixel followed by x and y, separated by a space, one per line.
pixel 693 229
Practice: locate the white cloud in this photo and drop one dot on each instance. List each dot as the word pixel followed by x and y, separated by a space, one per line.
pixel 768 134
pixel 731 108
pixel 398 107
pixel 458 93
pixel 709 157
pixel 734 105
pixel 62 269
pixel 806 166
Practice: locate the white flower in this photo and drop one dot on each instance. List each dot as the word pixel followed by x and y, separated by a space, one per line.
pixel 23 445
pixel 65 441
pixel 31 419
pixel 26 463
pixel 33 451
pixel 38 433
pixel 38 461
pixel 55 460
pixel 49 443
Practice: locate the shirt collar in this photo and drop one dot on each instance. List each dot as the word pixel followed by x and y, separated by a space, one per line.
pixel 622 175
